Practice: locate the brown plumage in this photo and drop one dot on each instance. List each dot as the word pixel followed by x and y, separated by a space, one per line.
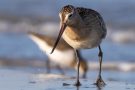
pixel 63 47
pixel 50 41
pixel 82 28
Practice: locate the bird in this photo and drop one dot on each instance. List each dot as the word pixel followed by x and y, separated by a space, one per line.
pixel 82 28
pixel 64 55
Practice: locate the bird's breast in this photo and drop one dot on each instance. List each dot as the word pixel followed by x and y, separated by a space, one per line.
pixel 71 33
pixel 82 39
pixel 73 40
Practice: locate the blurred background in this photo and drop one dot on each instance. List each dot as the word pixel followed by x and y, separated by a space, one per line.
pixel 17 17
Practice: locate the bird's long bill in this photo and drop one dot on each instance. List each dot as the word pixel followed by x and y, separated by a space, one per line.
pixel 59 36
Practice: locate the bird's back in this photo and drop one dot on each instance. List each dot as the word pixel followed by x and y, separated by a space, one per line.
pixel 92 19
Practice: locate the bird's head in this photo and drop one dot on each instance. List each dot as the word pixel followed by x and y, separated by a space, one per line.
pixel 67 17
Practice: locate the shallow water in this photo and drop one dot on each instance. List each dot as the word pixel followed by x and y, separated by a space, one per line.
pixel 22 80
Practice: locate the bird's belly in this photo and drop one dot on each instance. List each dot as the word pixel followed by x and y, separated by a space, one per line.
pixel 63 58
pixel 83 44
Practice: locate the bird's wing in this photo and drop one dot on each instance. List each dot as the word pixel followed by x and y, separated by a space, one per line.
pixel 92 17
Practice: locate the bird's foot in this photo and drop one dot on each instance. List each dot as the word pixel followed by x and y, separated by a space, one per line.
pixel 77 83
pixel 100 82
pixel 66 84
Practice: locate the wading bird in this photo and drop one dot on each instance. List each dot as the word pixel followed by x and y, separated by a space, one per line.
pixel 64 56
pixel 82 28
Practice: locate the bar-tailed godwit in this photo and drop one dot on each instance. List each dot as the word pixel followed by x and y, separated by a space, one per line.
pixel 63 57
pixel 82 28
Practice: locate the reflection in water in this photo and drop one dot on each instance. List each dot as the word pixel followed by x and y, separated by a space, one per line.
pixel 77 87
pixel 100 88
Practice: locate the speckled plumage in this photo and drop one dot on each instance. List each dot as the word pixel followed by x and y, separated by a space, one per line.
pixel 88 29
pixel 94 15
pixel 90 17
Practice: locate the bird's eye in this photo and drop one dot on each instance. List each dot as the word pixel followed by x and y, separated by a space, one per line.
pixel 70 15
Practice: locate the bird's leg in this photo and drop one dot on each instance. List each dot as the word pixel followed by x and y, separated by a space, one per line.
pixel 100 81
pixel 48 66
pixel 78 66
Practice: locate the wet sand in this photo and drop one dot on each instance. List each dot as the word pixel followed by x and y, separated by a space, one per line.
pixel 22 79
